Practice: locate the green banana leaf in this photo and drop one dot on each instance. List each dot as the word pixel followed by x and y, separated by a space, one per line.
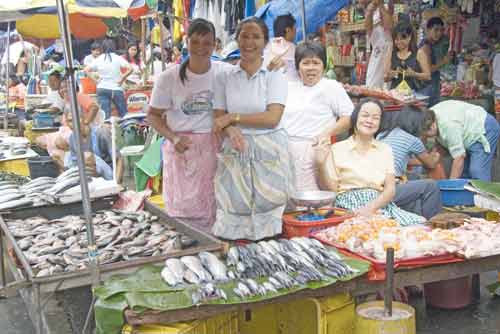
pixel 490 188
pixel 146 290
pixel 109 314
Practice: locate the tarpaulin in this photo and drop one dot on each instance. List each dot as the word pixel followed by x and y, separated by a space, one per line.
pixel 318 12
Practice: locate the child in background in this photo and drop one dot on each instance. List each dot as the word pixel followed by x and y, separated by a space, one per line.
pixel 402 133
pixel 17 93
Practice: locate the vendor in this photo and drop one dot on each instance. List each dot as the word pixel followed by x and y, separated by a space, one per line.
pixel 470 135
pixel 316 109
pixel 17 94
pixel 253 173
pixel 109 86
pixel 361 169
pixel 54 97
pixel 134 59
pixel 405 63
pixel 95 52
pixel 97 148
pixel 430 45
pixel 181 111
pixel 403 136
pixel 378 25
pixel 494 77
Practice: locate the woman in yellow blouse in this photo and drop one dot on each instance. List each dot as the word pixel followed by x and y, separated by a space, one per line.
pixel 361 169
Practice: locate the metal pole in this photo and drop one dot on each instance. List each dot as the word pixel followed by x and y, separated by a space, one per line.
pixel 2 264
pixel 87 209
pixel 7 74
pixel 389 281
pixel 162 47
pixel 303 13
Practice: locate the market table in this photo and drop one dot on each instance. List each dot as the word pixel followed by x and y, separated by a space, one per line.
pixel 357 286
pixel 17 164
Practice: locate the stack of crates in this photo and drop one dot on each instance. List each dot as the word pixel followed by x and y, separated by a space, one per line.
pixel 328 315
pixel 226 323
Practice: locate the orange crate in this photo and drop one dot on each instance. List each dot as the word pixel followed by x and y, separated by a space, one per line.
pixel 292 227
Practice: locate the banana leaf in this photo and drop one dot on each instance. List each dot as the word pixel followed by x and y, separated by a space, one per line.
pixel 490 188
pixel 146 290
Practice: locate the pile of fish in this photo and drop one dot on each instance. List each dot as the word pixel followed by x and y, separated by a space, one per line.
pixel 60 245
pixel 281 264
pixel 14 178
pixel 40 191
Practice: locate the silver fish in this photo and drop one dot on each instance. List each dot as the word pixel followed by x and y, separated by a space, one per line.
pixel 18 203
pixel 194 264
pixel 11 197
pixel 176 267
pixel 232 256
pixel 191 277
pixel 214 266
pixel 269 287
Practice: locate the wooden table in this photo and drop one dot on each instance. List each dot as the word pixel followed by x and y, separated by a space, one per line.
pixel 357 286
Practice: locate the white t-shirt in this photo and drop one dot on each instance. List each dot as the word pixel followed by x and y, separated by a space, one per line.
pixel 88 60
pixel 309 109
pixel 235 92
pixel 109 70
pixel 278 46
pixel 189 106
pixel 496 70
pixel 55 100
pixel 380 42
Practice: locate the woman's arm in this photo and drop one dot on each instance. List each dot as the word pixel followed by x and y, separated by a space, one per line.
pixel 155 118
pixel 385 197
pixel 423 61
pixel 335 127
pixel 264 120
pixel 429 160
pixel 327 174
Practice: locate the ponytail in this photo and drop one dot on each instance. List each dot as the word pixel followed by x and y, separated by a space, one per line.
pixel 183 70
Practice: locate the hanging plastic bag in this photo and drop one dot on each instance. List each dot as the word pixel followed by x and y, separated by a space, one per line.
pixel 403 86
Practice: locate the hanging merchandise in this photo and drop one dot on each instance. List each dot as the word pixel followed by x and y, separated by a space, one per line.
pixel 178 12
pixel 249 8
pixel 235 11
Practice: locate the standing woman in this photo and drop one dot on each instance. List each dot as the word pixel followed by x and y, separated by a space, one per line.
pixel 253 172
pixel 406 63
pixel 181 110
pixel 316 109
pixel 361 169
pixel 133 58
pixel 109 86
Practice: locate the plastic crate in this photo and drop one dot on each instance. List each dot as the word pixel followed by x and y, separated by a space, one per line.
pixel 226 323
pixel 18 166
pixel 329 315
pixel 296 228
pixel 33 100
pixel 454 194
pixel 43 120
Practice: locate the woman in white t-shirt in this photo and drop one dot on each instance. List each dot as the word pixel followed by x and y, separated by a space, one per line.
pixel 181 110
pixel 109 67
pixel 316 109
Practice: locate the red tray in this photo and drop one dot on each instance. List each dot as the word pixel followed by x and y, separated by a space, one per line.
pixel 377 270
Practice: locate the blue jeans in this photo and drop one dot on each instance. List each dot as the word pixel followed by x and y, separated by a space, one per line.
pixel 478 163
pixel 106 96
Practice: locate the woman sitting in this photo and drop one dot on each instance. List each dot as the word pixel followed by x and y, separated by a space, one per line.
pixel 316 109
pixel 361 169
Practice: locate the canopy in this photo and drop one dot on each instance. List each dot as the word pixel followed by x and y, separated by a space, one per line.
pixel 22 9
pixel 317 13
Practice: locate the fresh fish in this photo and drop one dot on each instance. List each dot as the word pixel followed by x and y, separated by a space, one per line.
pixel 169 277
pixel 194 264
pixel 61 186
pixel 191 277
pixel 22 202
pixel 252 285
pixel 277 284
pixel 214 266
pixel 10 197
pixel 244 289
pixel 232 256
pixel 177 268
pixel 269 287
pixel 8 187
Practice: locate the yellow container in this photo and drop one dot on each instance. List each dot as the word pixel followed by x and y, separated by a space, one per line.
pixel 157 200
pixel 365 325
pixel 329 315
pixel 226 323
pixel 492 215
pixel 18 166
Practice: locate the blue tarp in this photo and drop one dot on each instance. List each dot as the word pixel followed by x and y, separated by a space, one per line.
pixel 318 12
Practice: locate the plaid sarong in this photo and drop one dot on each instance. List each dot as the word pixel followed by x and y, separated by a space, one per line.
pixel 358 198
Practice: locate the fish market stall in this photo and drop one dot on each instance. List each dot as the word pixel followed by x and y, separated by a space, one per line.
pixel 14 154
pixel 51 254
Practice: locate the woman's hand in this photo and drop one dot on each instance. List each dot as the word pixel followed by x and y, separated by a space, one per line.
pixel 321 153
pixel 365 211
pixel 236 138
pixel 181 144
pixel 409 72
pixel 222 122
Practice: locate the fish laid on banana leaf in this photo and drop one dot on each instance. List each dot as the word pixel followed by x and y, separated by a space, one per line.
pixel 60 245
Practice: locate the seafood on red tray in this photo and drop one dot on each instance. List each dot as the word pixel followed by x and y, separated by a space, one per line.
pixel 460 89
pixel 381 94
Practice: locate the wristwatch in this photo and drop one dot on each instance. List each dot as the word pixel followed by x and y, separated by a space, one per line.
pixel 176 140
pixel 236 118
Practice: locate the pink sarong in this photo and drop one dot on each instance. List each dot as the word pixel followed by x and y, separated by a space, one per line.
pixel 188 180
